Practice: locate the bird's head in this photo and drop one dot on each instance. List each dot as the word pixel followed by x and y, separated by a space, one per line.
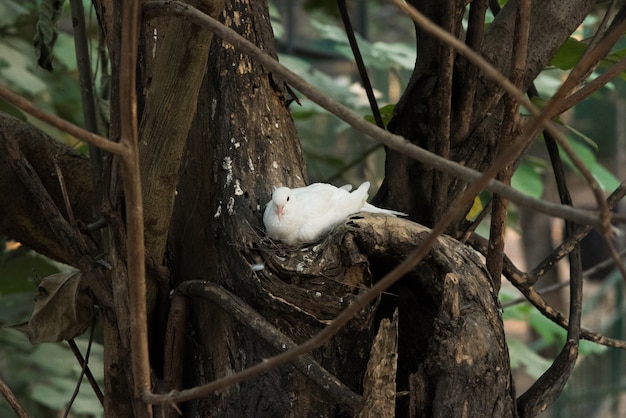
pixel 283 198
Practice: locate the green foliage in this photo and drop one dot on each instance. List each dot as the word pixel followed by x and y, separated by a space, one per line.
pixel 44 377
pixel 11 11
pixel 20 270
pixel 328 144
pixel 525 355
pixel 57 91
pixel 605 179
pixel 379 55
pixel 572 50
pixel 46 35
pixel 528 178
pixel 332 150
pixel 386 112
pixel 568 54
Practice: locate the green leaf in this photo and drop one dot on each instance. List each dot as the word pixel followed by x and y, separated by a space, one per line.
pixel 16 70
pixel 568 54
pixel 10 11
pixel 19 274
pixel 605 179
pixel 572 49
pixel 528 178
pixel 8 108
pixel 548 330
pixel 15 308
pixel 402 54
pixel 589 347
pixel 381 55
pixel 584 138
pixel 46 31
pixel 522 356
pixel 386 112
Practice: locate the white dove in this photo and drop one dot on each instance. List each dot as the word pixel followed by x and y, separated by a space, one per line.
pixel 304 214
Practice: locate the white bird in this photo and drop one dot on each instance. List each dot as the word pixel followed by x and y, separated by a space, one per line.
pixel 304 214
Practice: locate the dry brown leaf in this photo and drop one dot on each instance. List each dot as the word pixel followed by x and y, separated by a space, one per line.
pixel 63 309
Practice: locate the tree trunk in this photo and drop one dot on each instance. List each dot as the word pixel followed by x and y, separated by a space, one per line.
pixel 465 110
pixel 440 325
pixel 241 145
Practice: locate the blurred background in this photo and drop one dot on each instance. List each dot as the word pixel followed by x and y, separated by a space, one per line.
pixel 312 42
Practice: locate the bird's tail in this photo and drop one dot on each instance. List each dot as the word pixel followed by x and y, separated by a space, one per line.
pixel 373 209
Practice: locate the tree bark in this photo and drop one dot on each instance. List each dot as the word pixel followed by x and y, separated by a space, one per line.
pixel 419 102
pixel 451 354
pixel 20 217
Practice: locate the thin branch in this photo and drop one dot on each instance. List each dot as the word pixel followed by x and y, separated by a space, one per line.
pixel 600 81
pixel 469 77
pixel 84 364
pixel 174 348
pixel 519 279
pixel 601 267
pixel 567 246
pixel 87 90
pixel 66 197
pixel 591 87
pixel 440 143
pixel 154 8
pixel 243 313
pixel 508 132
pixel 367 85
pixel 548 387
pixel 6 391
pixel 558 318
pixel 135 257
pixel 580 71
pixel 53 120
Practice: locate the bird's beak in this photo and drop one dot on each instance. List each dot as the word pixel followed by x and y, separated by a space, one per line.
pixel 280 212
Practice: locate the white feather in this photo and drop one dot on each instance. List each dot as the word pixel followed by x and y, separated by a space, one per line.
pixel 305 214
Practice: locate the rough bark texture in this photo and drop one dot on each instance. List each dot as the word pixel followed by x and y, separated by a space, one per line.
pixel 241 144
pixel 170 105
pixel 550 26
pixel 379 382
pixel 20 217
pixel 451 354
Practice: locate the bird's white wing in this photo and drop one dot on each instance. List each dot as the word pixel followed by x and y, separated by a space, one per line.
pixel 315 210
pixel 317 199
pixel 324 206
pixel 367 207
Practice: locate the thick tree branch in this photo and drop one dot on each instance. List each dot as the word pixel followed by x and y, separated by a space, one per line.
pixel 20 217
pixel 469 77
pixel 243 313
pixel 170 106
pixel 155 8
pixel 508 132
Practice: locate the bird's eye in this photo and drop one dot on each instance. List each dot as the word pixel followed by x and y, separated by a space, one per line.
pixel 287 198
